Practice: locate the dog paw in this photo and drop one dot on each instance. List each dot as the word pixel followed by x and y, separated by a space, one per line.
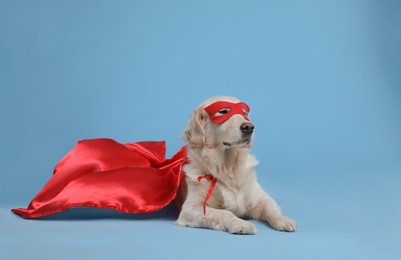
pixel 242 228
pixel 283 223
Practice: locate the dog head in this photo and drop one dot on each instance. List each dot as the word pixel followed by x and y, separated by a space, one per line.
pixel 220 122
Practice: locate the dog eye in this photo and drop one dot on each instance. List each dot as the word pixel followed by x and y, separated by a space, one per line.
pixel 245 112
pixel 223 111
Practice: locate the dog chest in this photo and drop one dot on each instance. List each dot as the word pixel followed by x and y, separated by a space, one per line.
pixel 233 200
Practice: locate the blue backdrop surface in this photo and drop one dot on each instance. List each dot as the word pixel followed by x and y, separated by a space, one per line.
pixel 323 79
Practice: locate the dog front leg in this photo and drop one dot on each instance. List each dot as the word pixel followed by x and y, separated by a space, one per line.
pixel 266 209
pixel 217 219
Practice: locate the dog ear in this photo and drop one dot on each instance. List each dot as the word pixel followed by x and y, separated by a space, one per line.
pixel 194 133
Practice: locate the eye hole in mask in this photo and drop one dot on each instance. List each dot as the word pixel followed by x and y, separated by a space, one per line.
pixel 223 112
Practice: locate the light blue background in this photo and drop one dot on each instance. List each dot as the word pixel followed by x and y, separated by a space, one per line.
pixel 323 79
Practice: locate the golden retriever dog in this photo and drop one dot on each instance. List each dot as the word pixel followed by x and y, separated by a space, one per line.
pixel 220 188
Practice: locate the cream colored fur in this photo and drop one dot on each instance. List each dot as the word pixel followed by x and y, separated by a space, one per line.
pixel 237 195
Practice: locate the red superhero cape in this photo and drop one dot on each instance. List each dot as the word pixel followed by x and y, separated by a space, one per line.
pixel 102 173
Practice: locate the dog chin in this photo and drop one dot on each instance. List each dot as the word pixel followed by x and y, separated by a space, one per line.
pixel 244 143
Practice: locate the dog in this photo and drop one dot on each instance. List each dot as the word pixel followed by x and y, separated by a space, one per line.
pixel 220 189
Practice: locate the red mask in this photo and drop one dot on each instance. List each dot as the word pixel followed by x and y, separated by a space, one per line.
pixel 227 110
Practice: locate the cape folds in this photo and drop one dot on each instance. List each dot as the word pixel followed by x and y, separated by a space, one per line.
pixel 102 173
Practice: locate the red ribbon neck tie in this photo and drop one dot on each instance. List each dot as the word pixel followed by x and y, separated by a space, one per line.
pixel 210 191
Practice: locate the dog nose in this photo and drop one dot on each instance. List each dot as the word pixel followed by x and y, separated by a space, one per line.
pixel 247 128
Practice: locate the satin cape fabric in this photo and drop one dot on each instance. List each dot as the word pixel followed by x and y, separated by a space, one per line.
pixel 102 173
